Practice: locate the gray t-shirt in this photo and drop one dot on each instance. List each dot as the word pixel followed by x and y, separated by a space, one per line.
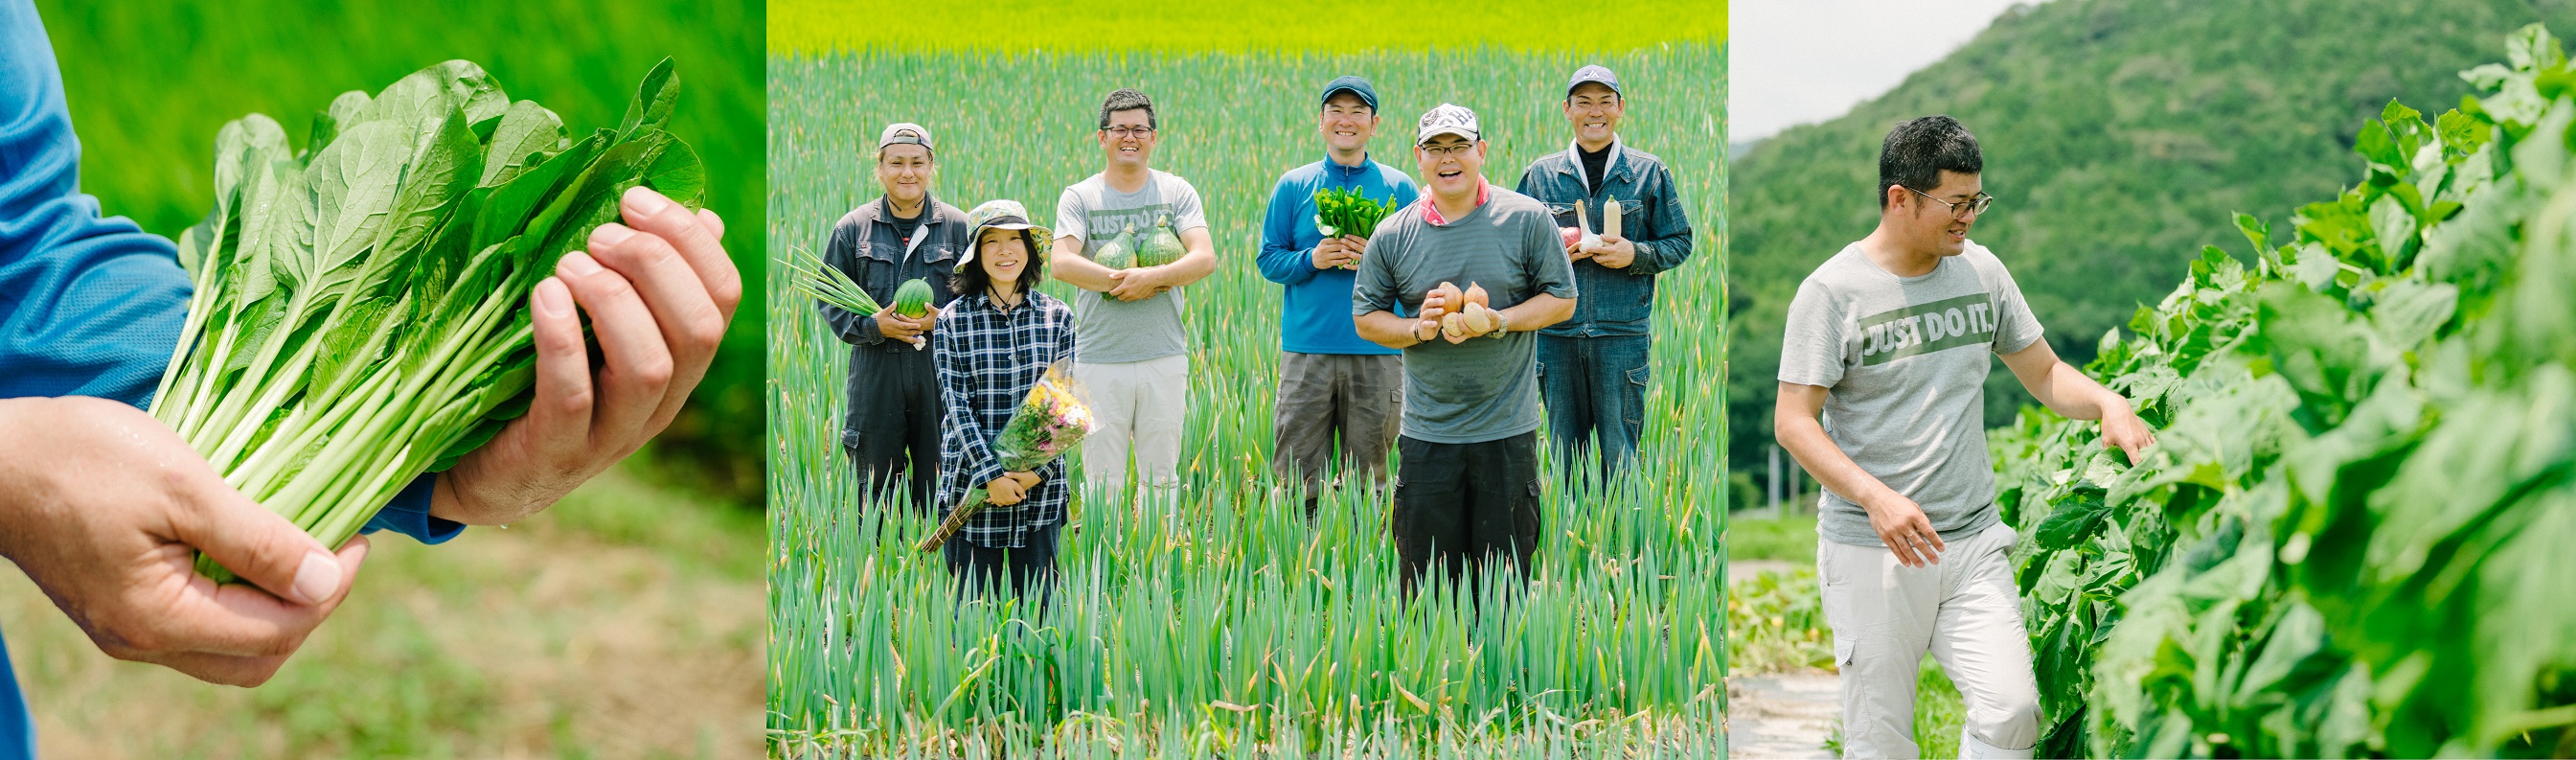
pixel 1484 389
pixel 1115 331
pixel 1904 362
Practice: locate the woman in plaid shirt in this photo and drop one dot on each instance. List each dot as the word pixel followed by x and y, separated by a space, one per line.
pixel 993 344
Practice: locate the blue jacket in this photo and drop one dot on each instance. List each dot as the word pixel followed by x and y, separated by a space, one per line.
pixel 1316 318
pixel 88 306
pixel 1615 301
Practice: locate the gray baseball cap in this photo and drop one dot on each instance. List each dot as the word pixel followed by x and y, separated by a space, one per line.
pixel 905 133
pixel 1595 73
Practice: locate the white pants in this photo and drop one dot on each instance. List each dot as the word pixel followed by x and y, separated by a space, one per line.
pixel 1965 611
pixel 1140 407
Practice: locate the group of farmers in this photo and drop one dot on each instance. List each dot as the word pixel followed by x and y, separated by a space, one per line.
pixel 1367 364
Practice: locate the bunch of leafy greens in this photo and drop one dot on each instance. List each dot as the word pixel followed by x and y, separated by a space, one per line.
pixel 360 308
pixel 2352 538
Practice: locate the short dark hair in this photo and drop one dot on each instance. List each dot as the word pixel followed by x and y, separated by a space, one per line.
pixel 973 278
pixel 1126 99
pixel 1918 151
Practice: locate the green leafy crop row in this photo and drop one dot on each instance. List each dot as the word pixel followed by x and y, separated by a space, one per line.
pixel 2353 535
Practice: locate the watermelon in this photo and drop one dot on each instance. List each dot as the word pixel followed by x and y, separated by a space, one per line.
pixel 912 300
pixel 1160 246
pixel 1120 251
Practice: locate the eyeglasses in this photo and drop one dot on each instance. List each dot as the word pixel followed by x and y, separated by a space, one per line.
pixel 1452 149
pixel 1122 132
pixel 1963 209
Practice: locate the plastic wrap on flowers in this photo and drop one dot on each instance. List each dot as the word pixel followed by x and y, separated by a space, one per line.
pixel 1051 420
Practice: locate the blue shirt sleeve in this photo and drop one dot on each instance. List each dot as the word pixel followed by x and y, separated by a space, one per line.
pixel 91 305
pixel 1280 260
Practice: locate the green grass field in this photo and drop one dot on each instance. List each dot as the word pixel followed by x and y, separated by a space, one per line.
pixel 1246 632
pixel 819 27
pixel 150 83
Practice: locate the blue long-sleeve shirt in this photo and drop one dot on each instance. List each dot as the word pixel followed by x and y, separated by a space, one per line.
pixel 1316 318
pixel 89 306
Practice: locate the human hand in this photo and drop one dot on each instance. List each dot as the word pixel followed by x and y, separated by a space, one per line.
pixel 1332 252
pixel 1436 306
pixel 1137 284
pixel 2121 429
pixel 1613 252
pixel 1027 480
pixel 106 509
pixel 659 295
pixel 900 327
pixel 1907 532
pixel 1005 491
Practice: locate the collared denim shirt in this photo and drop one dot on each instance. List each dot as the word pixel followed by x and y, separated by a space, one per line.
pixel 864 246
pixel 1615 301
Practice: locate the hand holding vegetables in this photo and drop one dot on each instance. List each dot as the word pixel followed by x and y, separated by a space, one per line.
pixel 1342 251
pixel 894 324
pixel 658 308
pixel 1472 319
pixel 1612 252
pixel 117 553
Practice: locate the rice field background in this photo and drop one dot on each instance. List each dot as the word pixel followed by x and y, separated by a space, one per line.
pixel 1241 631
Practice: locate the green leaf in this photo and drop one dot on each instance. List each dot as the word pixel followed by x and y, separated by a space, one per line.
pixel 2532 48
pixel 2074 519
pixel 427 94
pixel 653 102
pixel 526 135
pixel 353 181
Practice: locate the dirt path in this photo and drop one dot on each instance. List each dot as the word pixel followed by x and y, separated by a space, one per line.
pixel 1779 715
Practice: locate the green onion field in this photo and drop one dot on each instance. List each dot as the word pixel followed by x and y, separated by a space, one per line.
pixel 1245 632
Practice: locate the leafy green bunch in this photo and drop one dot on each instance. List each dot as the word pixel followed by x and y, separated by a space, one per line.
pixel 359 315
pixel 2350 539
pixel 1344 211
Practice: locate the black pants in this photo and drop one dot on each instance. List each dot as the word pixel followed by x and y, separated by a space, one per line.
pixel 1029 570
pixel 1458 504
pixel 892 435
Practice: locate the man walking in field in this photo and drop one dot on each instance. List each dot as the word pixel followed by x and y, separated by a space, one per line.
pixel 1888 339
pixel 1592 368
pixel 1134 351
pixel 1467 476
pixel 1332 384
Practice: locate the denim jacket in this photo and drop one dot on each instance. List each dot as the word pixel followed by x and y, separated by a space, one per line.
pixel 865 247
pixel 1615 301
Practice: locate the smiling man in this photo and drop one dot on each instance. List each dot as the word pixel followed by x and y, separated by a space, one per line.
pixel 891 433
pixel 1134 355
pixel 1332 384
pixel 1593 368
pixel 1467 473
pixel 1888 340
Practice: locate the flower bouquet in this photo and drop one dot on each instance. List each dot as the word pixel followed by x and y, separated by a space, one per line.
pixel 1050 421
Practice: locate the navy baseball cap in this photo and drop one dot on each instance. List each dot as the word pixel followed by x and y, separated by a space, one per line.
pixel 1355 85
pixel 1594 73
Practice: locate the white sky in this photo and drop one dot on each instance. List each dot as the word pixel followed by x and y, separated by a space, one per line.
pixel 1802 61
